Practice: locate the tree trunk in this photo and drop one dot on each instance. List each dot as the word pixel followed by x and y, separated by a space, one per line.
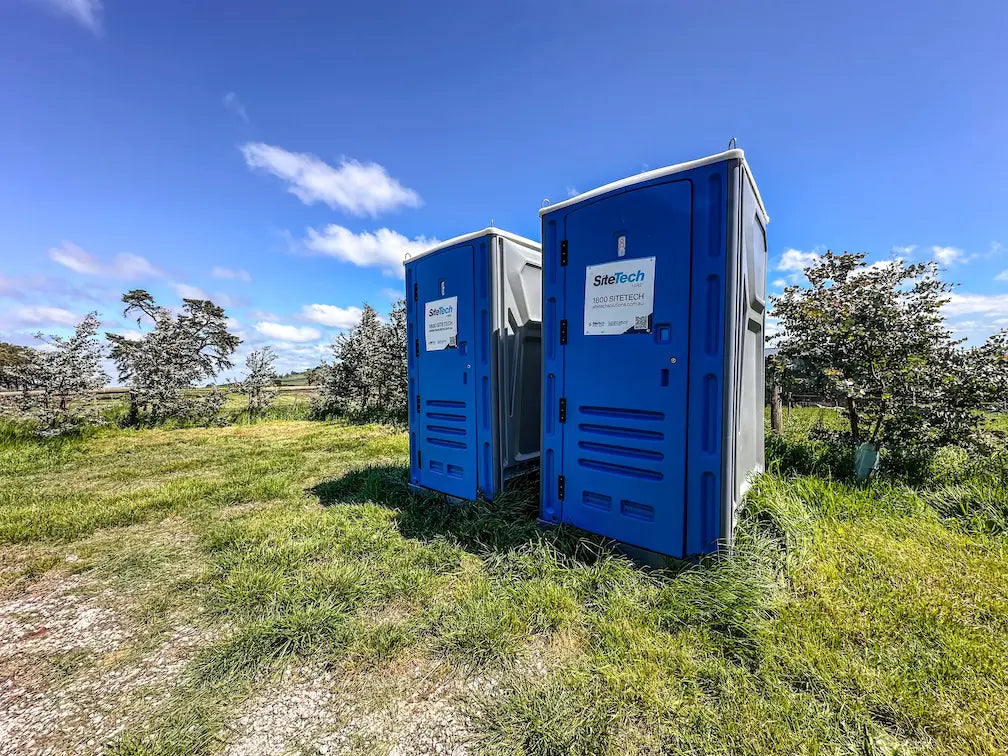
pixel 776 410
pixel 853 417
pixel 131 418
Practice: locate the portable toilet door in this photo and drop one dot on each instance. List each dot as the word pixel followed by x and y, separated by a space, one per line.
pixel 646 316
pixel 473 330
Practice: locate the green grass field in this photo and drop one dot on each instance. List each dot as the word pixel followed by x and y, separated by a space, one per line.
pixel 851 619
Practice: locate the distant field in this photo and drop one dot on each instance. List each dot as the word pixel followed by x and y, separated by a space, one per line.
pixel 291 402
pixel 274 588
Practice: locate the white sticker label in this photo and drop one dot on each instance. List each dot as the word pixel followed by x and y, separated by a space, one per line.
pixel 441 324
pixel 619 297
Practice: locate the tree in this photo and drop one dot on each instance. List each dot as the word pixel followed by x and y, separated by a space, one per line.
pixel 60 379
pixel 391 359
pixel 13 360
pixel 874 337
pixel 259 378
pixel 178 351
pixel 368 373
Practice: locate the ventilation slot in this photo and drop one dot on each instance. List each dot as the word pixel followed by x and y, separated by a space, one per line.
pixel 636 511
pixel 625 470
pixel 446 403
pixel 598 501
pixel 445 442
pixel 621 451
pixel 446 417
pixel 622 412
pixel 446 429
pixel 617 432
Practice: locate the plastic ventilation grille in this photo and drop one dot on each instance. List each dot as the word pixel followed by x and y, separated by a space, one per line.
pixel 621 441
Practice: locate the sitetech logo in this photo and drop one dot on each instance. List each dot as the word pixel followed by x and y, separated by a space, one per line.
pixel 442 310
pixel 619 278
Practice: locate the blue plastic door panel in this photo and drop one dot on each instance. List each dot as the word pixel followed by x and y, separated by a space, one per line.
pixel 446 434
pixel 624 436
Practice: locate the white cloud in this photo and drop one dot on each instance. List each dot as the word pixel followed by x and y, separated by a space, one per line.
pixel 126 266
pixel 796 260
pixel 904 251
pixel 185 291
pixel 288 332
pixel 988 305
pixel 46 316
pixel 572 192
pixel 134 266
pixel 359 188
pixel 71 256
pixel 384 248
pixel 1002 276
pixel 87 13
pixel 331 315
pixel 232 274
pixel 234 106
pixel 779 283
pixel 393 294
pixel 948 255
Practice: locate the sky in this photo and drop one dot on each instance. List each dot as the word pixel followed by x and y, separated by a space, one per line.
pixel 280 157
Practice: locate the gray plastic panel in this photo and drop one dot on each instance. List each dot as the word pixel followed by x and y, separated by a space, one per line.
pixel 517 329
pixel 744 368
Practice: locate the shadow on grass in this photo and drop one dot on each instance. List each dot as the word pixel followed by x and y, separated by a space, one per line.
pixel 479 527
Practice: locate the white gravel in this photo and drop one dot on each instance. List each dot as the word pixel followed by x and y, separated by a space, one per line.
pixel 82 711
pixel 411 711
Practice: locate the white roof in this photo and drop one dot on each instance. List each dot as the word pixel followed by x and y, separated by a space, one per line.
pixel 475 235
pixel 658 173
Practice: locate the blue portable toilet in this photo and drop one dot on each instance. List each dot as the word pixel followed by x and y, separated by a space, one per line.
pixel 474 319
pixel 654 291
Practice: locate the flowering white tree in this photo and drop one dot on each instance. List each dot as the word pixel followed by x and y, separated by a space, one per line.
pixel 368 373
pixel 60 378
pixel 260 375
pixel 178 351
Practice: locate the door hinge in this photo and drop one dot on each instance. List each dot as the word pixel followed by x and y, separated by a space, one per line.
pixel 416 292
pixel 418 403
pixel 560 487
pixel 418 347
pixel 563 252
pixel 563 410
pixel 563 331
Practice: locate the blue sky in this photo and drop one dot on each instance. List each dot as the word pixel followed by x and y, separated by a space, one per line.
pixel 280 156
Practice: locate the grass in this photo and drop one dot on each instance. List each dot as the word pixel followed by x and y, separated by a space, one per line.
pixel 851 619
